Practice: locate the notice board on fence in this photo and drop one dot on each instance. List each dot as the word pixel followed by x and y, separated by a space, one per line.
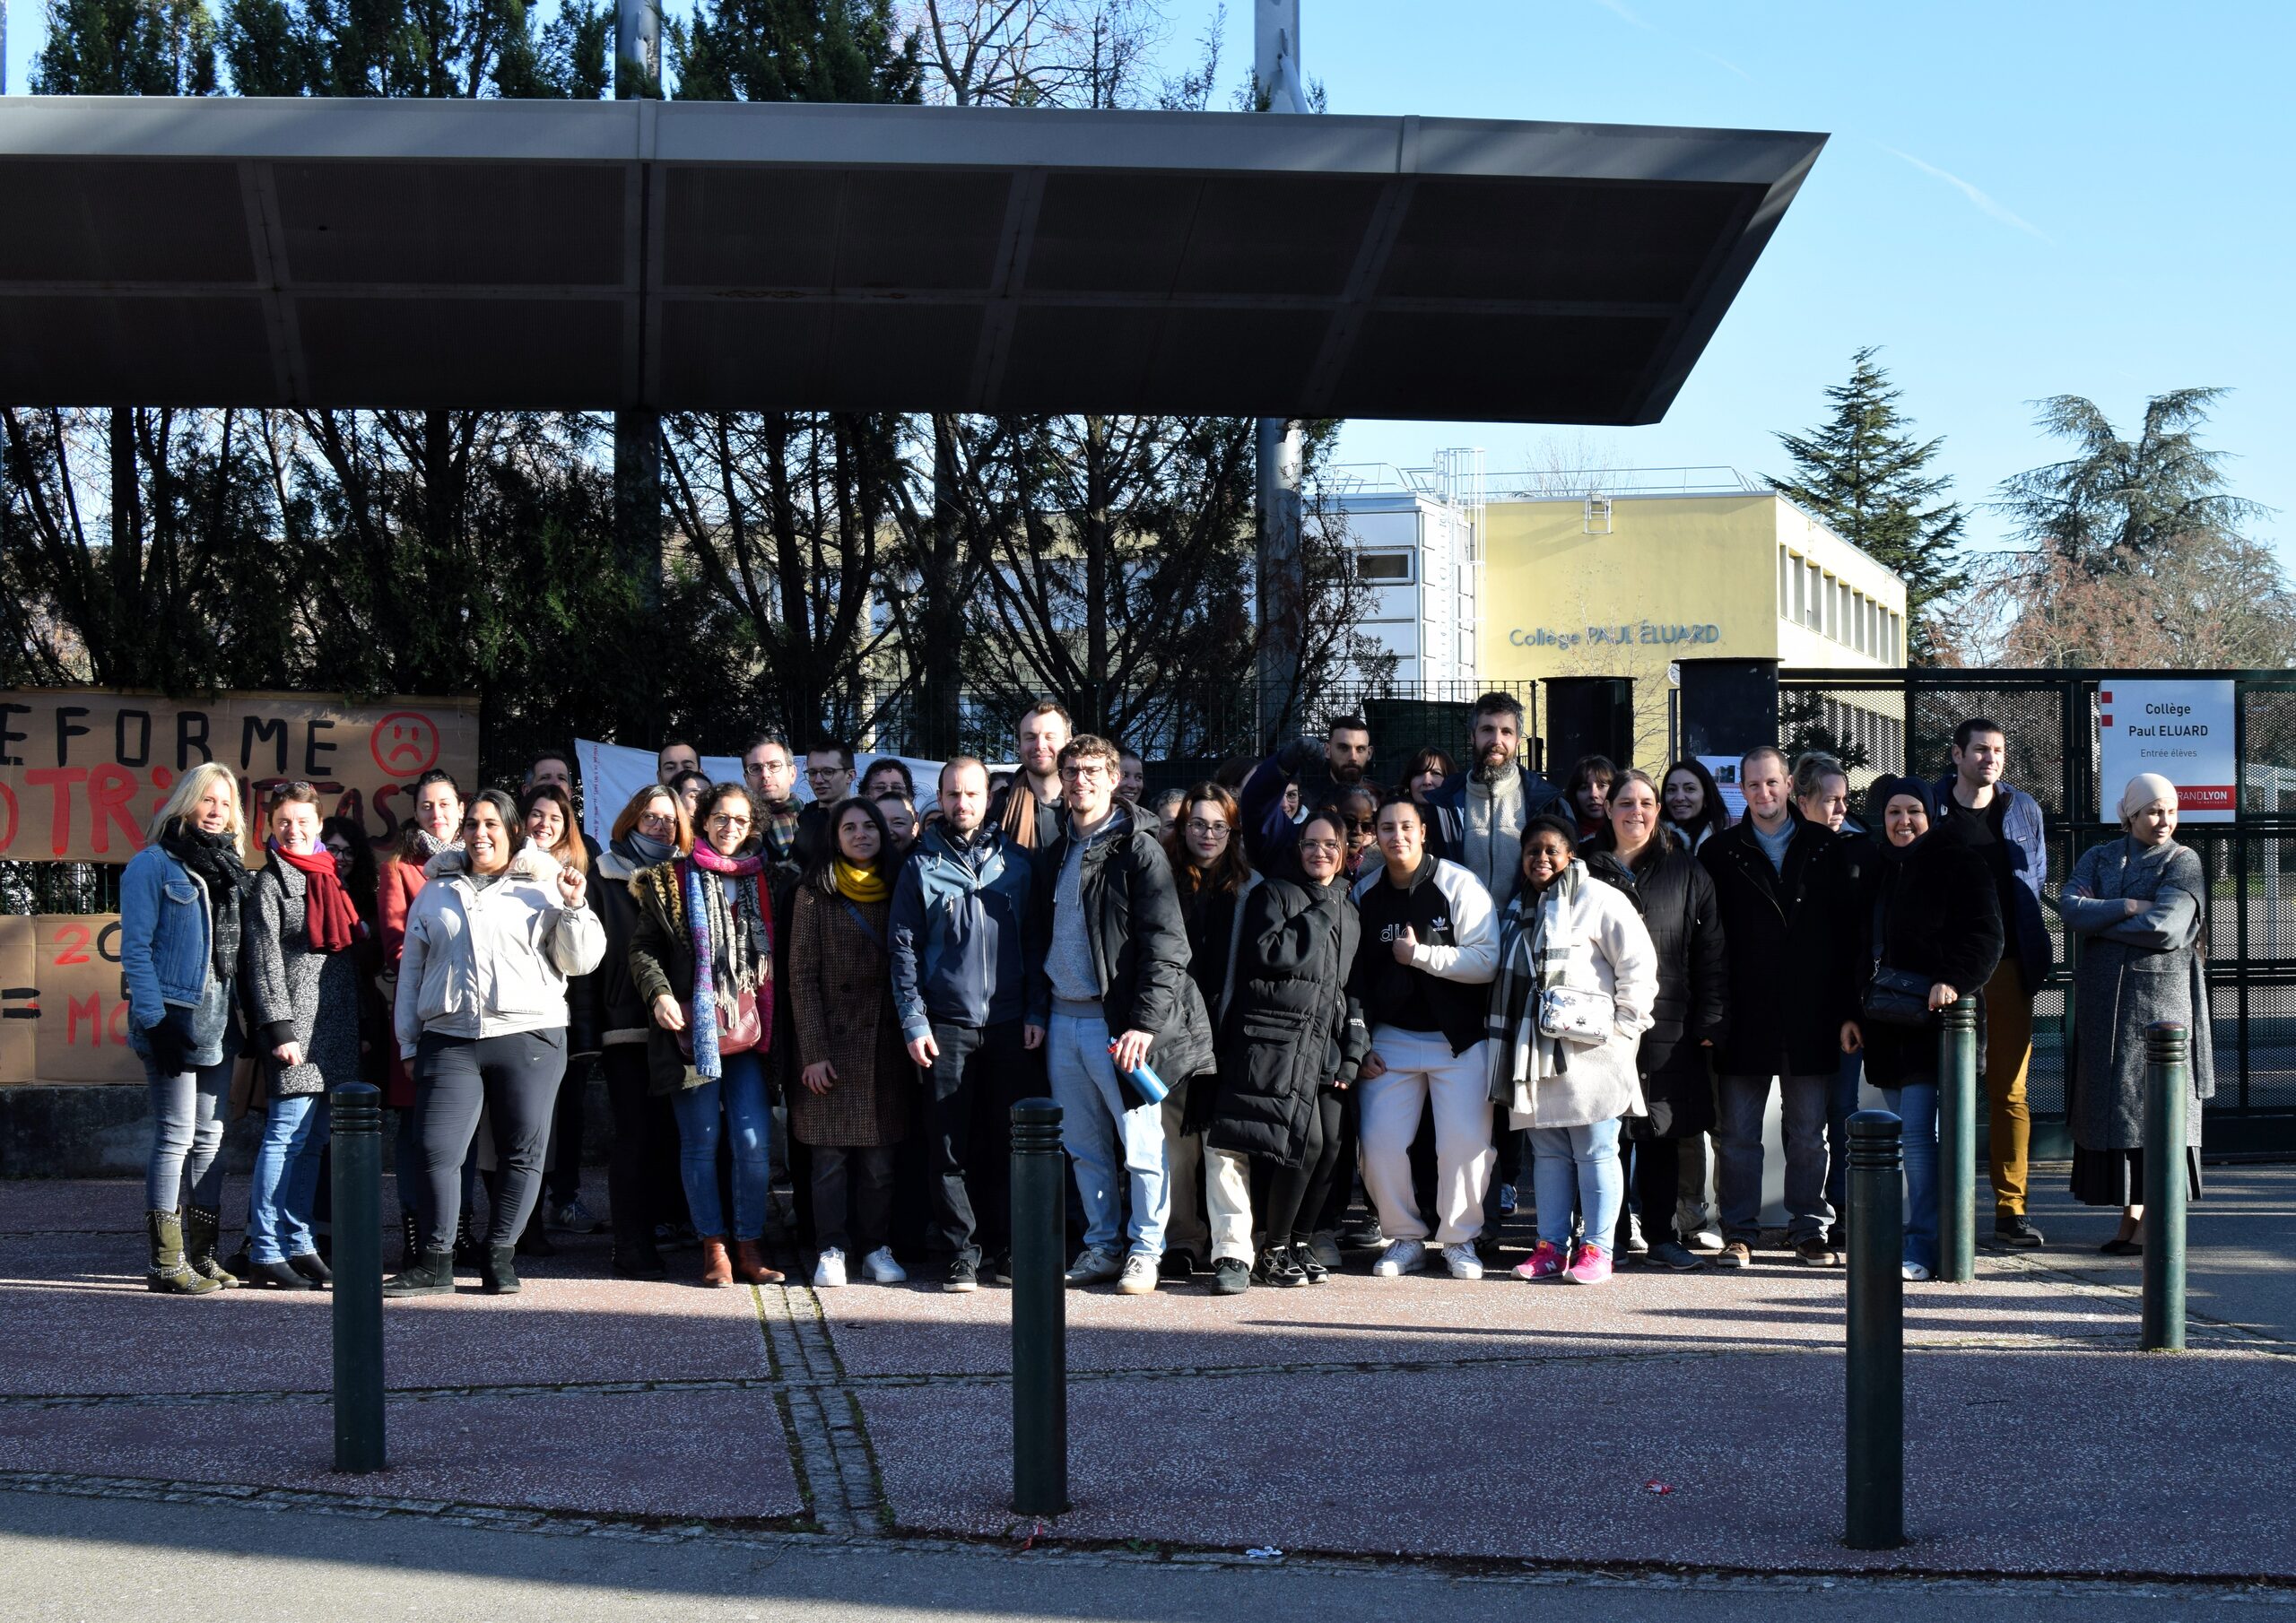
pixel 63 1016
pixel 81 769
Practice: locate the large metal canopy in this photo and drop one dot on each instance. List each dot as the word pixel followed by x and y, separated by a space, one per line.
pixel 692 255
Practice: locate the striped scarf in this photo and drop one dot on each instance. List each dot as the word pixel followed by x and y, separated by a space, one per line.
pixel 732 947
pixel 1543 942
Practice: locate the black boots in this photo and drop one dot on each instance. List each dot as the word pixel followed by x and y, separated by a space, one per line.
pixel 434 1275
pixel 167 1272
pixel 202 1231
pixel 498 1274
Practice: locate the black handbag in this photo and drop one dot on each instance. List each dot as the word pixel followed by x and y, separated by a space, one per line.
pixel 1893 997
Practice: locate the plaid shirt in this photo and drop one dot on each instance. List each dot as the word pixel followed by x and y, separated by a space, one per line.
pixel 779 830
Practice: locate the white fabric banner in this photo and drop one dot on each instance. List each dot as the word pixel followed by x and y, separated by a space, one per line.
pixel 611 774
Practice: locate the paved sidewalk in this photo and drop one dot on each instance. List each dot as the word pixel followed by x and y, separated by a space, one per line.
pixel 1664 1420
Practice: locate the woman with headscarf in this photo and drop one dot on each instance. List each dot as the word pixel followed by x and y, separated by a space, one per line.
pixel 2139 905
pixel 1928 904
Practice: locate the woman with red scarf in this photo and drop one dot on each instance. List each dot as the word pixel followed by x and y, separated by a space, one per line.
pixel 301 974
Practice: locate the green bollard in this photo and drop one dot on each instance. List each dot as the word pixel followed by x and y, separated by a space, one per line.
pixel 2167 1088
pixel 357 1139
pixel 1040 1311
pixel 1957 1140
pixel 1876 1413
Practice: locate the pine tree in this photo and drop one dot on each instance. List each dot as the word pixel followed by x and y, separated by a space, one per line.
pixel 1864 475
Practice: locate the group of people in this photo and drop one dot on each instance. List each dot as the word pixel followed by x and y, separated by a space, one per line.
pixel 1268 985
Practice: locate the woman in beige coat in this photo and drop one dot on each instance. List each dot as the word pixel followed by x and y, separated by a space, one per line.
pixel 855 1080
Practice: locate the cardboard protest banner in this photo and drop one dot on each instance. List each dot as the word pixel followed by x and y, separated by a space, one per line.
pixel 63 1014
pixel 83 770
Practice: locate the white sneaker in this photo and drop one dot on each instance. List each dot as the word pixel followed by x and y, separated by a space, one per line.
pixel 879 1266
pixel 1139 1275
pixel 1914 1271
pixel 1400 1257
pixel 829 1272
pixel 1706 1239
pixel 1636 1245
pixel 1462 1260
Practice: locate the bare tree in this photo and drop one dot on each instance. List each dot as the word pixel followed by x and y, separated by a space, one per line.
pixel 1035 52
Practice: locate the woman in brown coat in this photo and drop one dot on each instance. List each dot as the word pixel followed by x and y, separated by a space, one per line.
pixel 852 1104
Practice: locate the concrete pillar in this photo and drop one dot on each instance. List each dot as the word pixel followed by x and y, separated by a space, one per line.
pixel 1282 586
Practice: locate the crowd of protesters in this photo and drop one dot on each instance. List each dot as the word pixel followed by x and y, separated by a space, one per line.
pixel 1266 991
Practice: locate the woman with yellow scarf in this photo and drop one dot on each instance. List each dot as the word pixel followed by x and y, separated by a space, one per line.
pixel 856 1084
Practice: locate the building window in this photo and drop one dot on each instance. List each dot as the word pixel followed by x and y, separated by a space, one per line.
pixel 1384 568
pixel 1784 592
pixel 1598 515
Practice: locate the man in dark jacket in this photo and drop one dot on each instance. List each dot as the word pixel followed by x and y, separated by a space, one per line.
pixel 1476 818
pixel 959 921
pixel 2003 825
pixel 1115 980
pixel 1787 912
pixel 1323 771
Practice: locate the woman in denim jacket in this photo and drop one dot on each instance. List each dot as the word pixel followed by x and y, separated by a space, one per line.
pixel 179 955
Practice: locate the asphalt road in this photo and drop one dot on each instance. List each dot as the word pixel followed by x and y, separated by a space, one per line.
pixel 123 1560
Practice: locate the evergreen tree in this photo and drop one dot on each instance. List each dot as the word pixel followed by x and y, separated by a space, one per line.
pixel 1864 475
pixel 2120 500
pixel 796 51
pixel 126 48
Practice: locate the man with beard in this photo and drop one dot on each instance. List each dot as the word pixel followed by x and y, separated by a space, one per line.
pixel 771 771
pixel 1346 752
pixel 1028 811
pixel 1478 816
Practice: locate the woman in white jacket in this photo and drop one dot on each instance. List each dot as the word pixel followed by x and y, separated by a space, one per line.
pixel 496 931
pixel 1578 977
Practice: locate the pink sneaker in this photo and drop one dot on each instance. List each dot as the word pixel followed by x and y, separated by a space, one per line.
pixel 1544 1264
pixel 1592 1266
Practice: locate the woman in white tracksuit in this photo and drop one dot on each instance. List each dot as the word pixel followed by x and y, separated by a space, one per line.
pixel 1577 979
pixel 1430 946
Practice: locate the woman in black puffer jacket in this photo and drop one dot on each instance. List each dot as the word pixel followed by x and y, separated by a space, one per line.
pixel 1292 1042
pixel 1640 856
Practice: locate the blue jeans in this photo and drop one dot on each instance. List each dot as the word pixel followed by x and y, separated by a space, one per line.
pixel 286 1178
pixel 1101 1137
pixel 740 1092
pixel 1580 1160
pixel 1915 1105
pixel 187 1135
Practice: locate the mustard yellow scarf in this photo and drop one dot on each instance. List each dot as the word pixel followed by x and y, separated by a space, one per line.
pixel 860 884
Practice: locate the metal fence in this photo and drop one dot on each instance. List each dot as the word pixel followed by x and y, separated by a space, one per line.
pixel 1898 722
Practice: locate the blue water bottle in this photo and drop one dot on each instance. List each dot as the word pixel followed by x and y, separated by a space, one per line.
pixel 1144 1077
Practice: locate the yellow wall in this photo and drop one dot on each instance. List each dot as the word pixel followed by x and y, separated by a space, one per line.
pixel 1558 601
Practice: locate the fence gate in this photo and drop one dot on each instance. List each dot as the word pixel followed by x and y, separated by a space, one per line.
pixel 1903 721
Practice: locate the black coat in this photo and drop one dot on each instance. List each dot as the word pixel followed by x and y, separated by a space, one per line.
pixel 1940 918
pixel 1140 952
pixel 1292 1029
pixel 1675 897
pixel 1794 945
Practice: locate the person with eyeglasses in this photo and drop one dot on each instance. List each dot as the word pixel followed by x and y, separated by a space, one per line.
pixel 771 772
pixel 702 960
pixel 828 780
pixel 491 940
pixel 1212 879
pixel 1115 976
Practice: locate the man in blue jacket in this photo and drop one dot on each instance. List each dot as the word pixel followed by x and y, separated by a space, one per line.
pixel 961 909
pixel 2004 825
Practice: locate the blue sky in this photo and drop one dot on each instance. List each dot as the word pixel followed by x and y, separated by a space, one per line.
pixel 2020 198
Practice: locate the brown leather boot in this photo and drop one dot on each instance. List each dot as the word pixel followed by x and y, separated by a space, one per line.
pixel 716 1269
pixel 749 1265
